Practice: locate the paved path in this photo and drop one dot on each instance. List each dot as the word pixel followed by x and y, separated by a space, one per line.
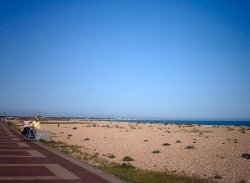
pixel 23 161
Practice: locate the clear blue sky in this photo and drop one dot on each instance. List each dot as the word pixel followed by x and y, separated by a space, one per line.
pixel 127 58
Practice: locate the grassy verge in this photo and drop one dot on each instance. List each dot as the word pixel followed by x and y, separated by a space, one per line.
pixel 125 171
pixel 76 152
pixel 17 126
pixel 130 174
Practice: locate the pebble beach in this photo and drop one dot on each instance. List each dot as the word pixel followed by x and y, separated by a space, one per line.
pixel 211 152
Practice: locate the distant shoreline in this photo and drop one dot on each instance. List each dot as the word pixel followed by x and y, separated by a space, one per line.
pixel 177 122
pixel 153 121
pixel 189 122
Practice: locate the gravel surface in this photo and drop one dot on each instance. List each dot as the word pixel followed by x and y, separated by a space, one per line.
pixel 215 151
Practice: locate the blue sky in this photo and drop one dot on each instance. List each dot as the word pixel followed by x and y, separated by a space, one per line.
pixel 131 58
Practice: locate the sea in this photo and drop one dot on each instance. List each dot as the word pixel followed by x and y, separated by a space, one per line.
pixel 197 122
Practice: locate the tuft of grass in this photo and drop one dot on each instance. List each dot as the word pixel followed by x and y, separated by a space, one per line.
pixel 166 144
pixel 74 128
pixel 127 165
pixel 243 130
pixel 86 139
pixel 246 156
pixel 127 158
pixel 131 126
pixel 190 147
pixel 243 181
pixel 156 151
pixel 217 176
pixel 178 141
pixel 111 156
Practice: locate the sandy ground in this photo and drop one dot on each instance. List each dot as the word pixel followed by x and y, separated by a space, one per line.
pixel 217 149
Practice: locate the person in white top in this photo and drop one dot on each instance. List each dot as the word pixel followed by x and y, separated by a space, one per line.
pixel 26 127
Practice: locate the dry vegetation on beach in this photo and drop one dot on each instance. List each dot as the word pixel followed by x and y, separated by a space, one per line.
pixel 212 152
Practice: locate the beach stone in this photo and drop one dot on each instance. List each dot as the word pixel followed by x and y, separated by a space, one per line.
pixel 246 156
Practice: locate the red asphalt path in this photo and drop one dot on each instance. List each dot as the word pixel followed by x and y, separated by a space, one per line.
pixel 23 161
